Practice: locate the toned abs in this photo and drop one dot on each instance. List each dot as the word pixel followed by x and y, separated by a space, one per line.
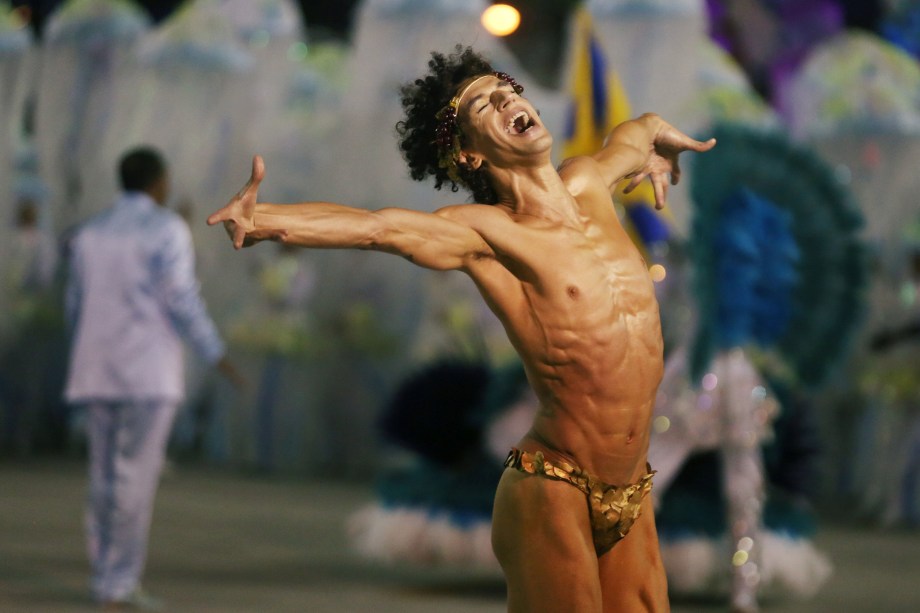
pixel 591 343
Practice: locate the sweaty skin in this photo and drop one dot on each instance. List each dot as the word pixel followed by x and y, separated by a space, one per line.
pixel 574 295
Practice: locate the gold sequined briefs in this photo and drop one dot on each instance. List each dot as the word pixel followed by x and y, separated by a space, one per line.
pixel 613 509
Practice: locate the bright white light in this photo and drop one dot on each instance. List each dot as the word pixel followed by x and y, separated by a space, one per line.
pixel 501 19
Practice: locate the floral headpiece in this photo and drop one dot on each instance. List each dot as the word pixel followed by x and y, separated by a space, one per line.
pixel 447 133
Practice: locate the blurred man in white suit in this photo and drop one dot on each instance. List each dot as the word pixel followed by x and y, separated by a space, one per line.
pixel 132 298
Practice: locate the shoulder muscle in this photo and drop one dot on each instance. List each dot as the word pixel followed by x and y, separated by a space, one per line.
pixel 580 174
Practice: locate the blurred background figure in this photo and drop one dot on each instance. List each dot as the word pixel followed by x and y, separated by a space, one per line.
pixel 132 297
pixel 28 373
pixel 279 331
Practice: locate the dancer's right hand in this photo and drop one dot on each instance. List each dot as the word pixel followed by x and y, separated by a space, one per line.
pixel 238 216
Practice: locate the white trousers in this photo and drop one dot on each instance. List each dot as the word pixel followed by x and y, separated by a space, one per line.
pixel 127 446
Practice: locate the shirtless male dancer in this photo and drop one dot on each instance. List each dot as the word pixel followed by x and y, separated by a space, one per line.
pixel 549 256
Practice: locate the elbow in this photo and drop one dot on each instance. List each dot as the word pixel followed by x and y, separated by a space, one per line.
pixel 374 236
pixel 378 234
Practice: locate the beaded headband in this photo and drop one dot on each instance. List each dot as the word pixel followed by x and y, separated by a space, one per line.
pixel 447 133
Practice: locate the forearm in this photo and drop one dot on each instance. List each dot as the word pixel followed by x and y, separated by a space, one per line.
pixel 319 224
pixel 427 239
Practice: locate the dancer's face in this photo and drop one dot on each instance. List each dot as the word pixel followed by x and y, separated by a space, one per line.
pixel 499 124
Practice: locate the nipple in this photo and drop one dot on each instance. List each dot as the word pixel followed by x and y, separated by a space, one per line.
pixel 573 292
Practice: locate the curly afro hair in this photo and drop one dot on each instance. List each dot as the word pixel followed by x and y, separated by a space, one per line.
pixel 422 100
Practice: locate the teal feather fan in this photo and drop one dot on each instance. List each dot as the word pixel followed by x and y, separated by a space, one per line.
pixel 778 261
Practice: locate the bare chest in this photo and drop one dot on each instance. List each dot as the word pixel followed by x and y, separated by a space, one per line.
pixel 589 299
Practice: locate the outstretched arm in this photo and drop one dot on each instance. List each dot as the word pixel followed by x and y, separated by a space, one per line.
pixel 646 147
pixel 427 239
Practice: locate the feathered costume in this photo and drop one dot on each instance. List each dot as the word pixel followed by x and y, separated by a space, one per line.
pixel 779 276
pixel 457 419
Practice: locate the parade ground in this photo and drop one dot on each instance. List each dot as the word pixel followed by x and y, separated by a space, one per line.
pixel 230 542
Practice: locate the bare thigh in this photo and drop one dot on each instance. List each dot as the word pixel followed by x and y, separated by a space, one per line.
pixel 542 538
pixel 632 575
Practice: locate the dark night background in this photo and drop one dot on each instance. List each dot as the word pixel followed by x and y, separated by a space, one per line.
pixel 538 42
pixel 333 16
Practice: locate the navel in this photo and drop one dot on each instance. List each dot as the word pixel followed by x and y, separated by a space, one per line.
pixel 573 292
pixel 629 436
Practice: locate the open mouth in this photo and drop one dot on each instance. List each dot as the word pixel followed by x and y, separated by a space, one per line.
pixel 520 123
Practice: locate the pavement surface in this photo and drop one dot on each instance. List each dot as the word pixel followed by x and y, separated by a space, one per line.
pixel 229 542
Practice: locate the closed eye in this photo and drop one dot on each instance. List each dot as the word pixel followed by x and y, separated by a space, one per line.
pixel 487 102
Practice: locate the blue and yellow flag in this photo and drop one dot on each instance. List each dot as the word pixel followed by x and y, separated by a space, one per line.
pixel 598 103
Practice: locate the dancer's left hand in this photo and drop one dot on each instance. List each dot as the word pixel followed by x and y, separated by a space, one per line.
pixel 662 166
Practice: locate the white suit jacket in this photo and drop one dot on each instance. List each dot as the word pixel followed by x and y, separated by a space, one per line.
pixel 132 296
